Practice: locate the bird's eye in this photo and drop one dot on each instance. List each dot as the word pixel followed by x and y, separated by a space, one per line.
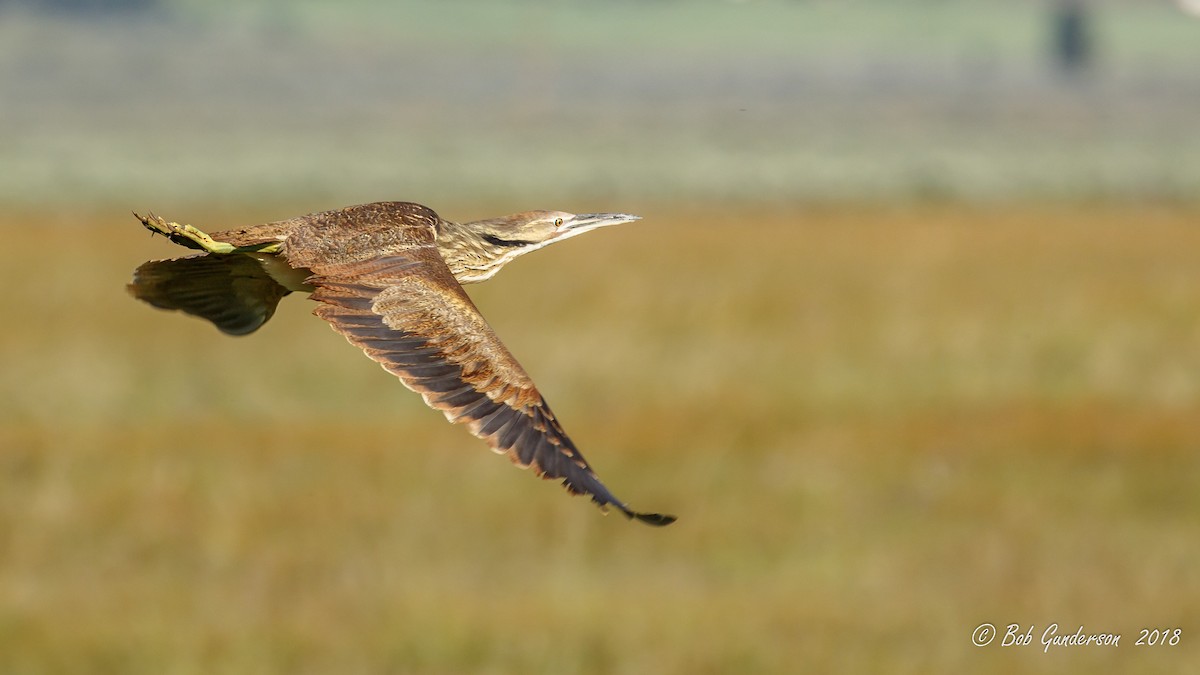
pixel 557 222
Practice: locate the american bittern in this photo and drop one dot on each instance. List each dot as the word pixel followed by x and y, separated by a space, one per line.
pixel 388 277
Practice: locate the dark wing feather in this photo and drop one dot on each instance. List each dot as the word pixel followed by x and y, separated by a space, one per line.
pixel 234 292
pixel 406 311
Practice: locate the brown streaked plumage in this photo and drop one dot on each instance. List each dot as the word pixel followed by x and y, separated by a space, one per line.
pixel 388 277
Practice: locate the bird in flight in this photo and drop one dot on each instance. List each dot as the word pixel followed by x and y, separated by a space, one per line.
pixel 388 276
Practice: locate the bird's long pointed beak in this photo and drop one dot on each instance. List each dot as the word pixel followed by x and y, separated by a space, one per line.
pixel 585 222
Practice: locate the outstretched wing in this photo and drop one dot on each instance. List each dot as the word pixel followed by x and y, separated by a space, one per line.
pixel 407 312
pixel 234 292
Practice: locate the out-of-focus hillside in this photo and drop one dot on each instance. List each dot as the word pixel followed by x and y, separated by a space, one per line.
pixel 511 101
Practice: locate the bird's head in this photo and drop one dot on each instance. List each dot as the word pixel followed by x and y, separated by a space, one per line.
pixel 475 251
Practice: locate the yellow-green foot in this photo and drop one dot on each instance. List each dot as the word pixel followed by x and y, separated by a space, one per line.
pixel 191 237
pixel 185 235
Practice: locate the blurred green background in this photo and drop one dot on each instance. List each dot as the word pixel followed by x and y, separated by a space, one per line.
pixel 263 101
pixel 908 337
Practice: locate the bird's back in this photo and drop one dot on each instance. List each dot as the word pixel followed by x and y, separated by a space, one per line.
pixel 368 229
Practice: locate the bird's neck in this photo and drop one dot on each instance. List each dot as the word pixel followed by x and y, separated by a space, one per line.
pixel 466 256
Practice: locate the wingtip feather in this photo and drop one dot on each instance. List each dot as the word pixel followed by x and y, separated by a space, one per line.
pixel 655 519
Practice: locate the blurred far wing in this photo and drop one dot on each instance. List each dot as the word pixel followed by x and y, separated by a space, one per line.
pixel 406 311
pixel 234 292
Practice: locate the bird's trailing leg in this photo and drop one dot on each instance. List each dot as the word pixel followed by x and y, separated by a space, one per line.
pixel 191 237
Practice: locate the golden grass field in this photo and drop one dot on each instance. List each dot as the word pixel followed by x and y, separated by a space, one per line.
pixel 880 426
